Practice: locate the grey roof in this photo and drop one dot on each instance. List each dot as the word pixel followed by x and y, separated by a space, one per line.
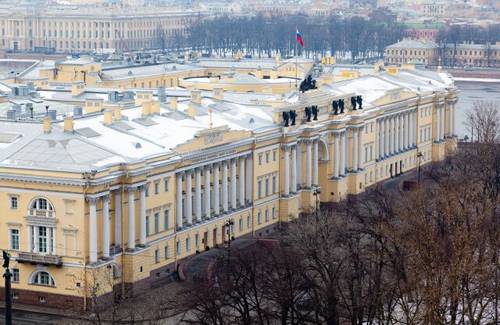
pixel 413 44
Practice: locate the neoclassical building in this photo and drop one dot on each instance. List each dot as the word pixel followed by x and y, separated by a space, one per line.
pixel 69 29
pixel 118 198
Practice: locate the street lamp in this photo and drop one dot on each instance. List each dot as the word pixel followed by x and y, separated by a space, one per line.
pixel 228 225
pixel 419 156
pixel 8 296
pixel 316 193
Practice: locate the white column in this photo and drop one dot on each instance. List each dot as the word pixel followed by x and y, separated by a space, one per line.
pixel 343 153
pixel 197 194
pixel 241 180
pixel 249 178
pixel 315 163
pixel 36 239
pixel 437 131
pixel 225 198
pixel 189 197
pixel 380 139
pixel 233 184
pixel 178 207
pixel 30 239
pixel 396 133
pixel 360 148
pixel 105 227
pixel 293 181
pixel 308 164
pixel 412 128
pixel 131 218
pixel 392 136
pixel 92 231
pixel 216 190
pixel 386 136
pixel 406 128
pixel 299 164
pixel 401 133
pixel 286 158
pixel 207 197
pixel 354 147
pixel 336 156
pixel 442 120
pixel 452 118
pixel 118 217
pixel 142 206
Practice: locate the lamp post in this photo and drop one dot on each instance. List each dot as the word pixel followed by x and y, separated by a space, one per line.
pixel 316 193
pixel 228 226
pixel 8 296
pixel 419 156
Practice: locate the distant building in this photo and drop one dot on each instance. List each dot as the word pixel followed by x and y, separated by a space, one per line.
pixel 410 51
pixel 429 53
pixel 75 30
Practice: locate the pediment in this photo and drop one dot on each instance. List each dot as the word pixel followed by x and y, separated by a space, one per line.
pixel 213 137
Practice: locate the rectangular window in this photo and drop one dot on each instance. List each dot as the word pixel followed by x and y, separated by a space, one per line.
pixel 267 215
pixel 274 184
pixel 249 224
pixel 15 275
pixel 188 245
pixel 274 155
pixel 267 157
pixel 259 218
pixel 240 225
pixel 157 188
pixel 165 184
pixel 157 256
pixel 13 202
pixel 178 247
pixel 42 239
pixel 165 219
pixel 157 222
pixel 197 240
pixel 147 225
pixel 267 186
pixel 14 239
pixel 260 159
pixel 274 213
pixel 166 252
pixel 259 189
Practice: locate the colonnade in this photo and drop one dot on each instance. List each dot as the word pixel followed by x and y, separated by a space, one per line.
pixel 396 133
pixel 219 188
pixel 293 158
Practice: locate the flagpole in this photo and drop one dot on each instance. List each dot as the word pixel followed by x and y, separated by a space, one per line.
pixel 296 63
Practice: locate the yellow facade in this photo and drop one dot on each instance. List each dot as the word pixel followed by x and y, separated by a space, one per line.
pixel 132 222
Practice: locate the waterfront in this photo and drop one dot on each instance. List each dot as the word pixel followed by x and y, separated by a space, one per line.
pixel 471 91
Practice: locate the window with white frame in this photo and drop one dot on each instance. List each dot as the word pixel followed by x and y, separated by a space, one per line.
pixel 267 186
pixel 188 245
pixel 13 202
pixel 165 219
pixel 178 247
pixel 166 252
pixel 43 278
pixel 259 218
pixel 165 184
pixel 15 275
pixel 157 187
pixel 274 184
pixel 157 256
pixel 240 225
pixel 14 239
pixel 259 188
pixel 196 241
pixel 157 222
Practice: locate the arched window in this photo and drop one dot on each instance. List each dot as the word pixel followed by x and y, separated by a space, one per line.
pixel 41 207
pixel 42 278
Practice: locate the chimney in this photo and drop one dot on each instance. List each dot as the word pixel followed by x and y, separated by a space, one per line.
pixel 108 117
pixel 191 111
pixel 47 124
pixel 274 74
pixel 68 124
pixel 196 96
pixel 146 109
pixel 173 103
pixel 219 93
pixel 155 107
pixel 77 89
pixel 117 114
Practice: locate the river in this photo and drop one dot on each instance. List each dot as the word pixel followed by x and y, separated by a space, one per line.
pixel 471 91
